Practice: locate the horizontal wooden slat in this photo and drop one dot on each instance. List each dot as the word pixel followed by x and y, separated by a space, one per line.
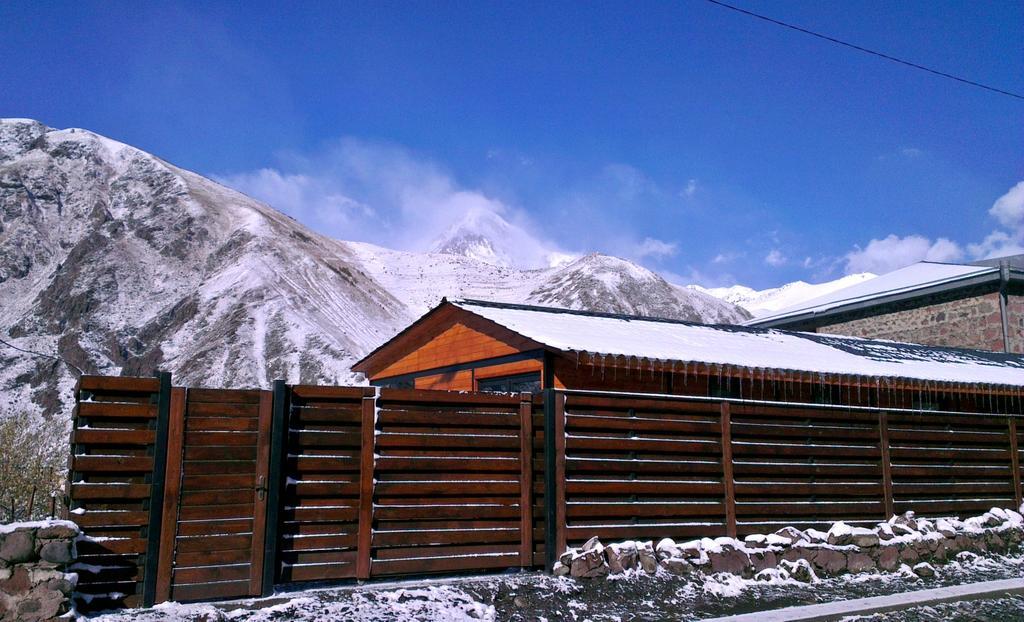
pixel 97 436
pixel 116 410
pixel 112 464
pixel 86 491
pixel 118 383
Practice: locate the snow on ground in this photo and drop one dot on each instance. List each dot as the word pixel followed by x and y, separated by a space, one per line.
pixel 537 597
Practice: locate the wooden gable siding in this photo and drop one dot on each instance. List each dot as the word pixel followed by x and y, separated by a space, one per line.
pixel 466 379
pixel 467 339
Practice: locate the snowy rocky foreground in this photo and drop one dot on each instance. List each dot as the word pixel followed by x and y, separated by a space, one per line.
pixel 537 597
pixel 903 544
pixel 636 595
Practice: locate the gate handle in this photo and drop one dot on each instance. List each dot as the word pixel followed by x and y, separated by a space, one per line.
pixel 261 488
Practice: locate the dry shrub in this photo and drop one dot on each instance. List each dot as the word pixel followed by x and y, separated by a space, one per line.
pixel 33 467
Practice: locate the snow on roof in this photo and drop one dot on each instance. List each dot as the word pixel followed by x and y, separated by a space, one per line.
pixel 916 276
pixel 674 340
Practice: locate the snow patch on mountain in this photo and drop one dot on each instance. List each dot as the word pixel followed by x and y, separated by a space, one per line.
pixel 765 301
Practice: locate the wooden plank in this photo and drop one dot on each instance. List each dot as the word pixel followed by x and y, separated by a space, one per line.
pixel 887 496
pixel 444 564
pixel 208 591
pixel 259 517
pixel 211 558
pixel 111 491
pixel 525 480
pixel 1015 461
pixel 112 464
pixel 650 509
pixel 627 487
pixel 220 396
pixel 222 424
pixel 366 492
pixel 727 474
pixel 99 436
pixel 210 574
pixel 172 495
pixel 221 409
pixel 118 383
pixel 90 518
pixel 338 393
pixel 226 542
pixel 423 396
pixel 115 410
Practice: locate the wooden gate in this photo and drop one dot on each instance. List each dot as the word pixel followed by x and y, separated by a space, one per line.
pixel 214 523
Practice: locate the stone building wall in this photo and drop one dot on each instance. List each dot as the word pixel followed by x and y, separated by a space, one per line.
pixel 1015 317
pixel 34 586
pixel 972 322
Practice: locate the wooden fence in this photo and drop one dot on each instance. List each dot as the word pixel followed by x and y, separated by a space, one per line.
pixel 194 494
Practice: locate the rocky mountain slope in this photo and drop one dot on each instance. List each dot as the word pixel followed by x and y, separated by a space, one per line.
pixel 121 263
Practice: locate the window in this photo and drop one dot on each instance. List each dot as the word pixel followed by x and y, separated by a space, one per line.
pixel 522 383
pixel 398 383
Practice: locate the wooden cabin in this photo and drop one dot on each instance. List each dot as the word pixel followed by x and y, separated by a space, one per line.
pixel 471 345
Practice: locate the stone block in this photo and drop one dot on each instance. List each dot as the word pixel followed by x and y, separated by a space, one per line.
pixel 621 557
pixel 56 551
pixel 18 547
pixel 589 564
pixel 732 561
pixel 859 562
pixel 63 530
pixel 647 558
pixel 677 566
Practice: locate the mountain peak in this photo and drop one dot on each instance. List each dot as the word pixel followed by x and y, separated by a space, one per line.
pixel 485 235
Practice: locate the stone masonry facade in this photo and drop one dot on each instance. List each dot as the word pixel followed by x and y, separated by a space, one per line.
pixel 973 322
pixel 34 583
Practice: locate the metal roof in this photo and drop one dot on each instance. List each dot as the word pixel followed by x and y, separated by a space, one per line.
pixel 631 338
pixel 915 281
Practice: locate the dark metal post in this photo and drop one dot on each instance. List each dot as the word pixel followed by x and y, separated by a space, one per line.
pixel 275 478
pixel 550 511
pixel 156 498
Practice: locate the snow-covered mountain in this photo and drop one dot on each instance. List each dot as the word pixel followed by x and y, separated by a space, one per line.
pixel 765 301
pixel 594 282
pixel 121 263
pixel 484 235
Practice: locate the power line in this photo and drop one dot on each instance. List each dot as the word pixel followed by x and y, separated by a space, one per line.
pixel 57 358
pixel 865 50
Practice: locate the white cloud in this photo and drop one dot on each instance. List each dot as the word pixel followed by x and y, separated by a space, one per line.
pixel 657 249
pixel 358 190
pixel 775 258
pixel 1008 210
pixel 691 188
pixel 893 252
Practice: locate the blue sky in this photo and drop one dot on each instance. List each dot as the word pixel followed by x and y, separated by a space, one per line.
pixel 707 145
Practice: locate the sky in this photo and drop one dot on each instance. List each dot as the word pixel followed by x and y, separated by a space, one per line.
pixel 701 143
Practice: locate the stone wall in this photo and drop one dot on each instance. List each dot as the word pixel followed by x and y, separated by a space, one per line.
pixel 903 544
pixel 33 558
pixel 1015 319
pixel 973 322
